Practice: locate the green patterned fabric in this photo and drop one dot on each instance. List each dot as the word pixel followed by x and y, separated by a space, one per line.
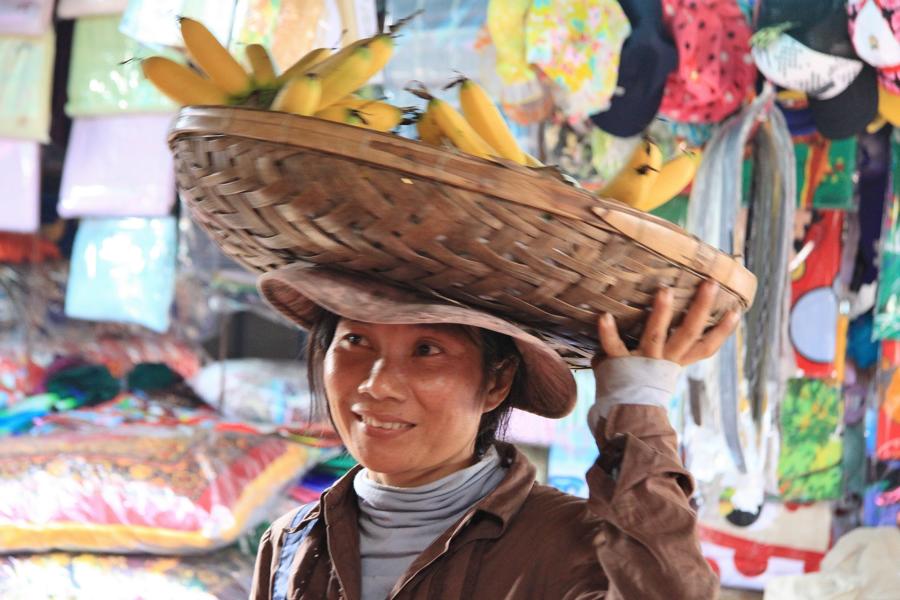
pixel 809 466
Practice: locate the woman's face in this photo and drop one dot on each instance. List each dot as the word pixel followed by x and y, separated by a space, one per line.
pixel 407 399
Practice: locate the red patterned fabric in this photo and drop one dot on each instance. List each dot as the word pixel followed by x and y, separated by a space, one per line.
pixel 715 71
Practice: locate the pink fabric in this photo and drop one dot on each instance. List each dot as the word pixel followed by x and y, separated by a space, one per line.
pixel 118 166
pixel 715 70
pixel 19 172
pixel 25 17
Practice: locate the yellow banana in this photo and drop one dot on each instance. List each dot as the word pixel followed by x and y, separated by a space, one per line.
pixel 456 129
pixel 213 58
pixel 260 64
pixel 305 64
pixel 331 62
pixel 429 130
pixel 481 112
pixel 889 106
pixel 336 114
pixel 180 83
pixel 299 96
pixel 347 76
pixel 532 161
pixel 877 123
pixel 673 177
pixel 342 114
pixel 632 184
pixel 378 115
pixel 382 47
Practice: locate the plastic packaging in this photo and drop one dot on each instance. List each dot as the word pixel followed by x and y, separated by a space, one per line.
pixel 147 489
pixel 123 270
pixel 25 88
pixel 25 17
pixel 155 22
pixel 435 44
pixel 105 74
pixel 20 174
pixel 118 166
pixel 268 391
pixel 73 9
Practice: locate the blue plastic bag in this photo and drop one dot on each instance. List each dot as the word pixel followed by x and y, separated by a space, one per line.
pixel 123 270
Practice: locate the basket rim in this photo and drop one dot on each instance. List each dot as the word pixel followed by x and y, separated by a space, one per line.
pixel 505 180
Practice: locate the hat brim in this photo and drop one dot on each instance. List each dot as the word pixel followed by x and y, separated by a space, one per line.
pixel 848 113
pixel 300 292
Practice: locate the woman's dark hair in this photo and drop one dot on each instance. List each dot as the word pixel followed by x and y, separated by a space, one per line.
pixel 498 352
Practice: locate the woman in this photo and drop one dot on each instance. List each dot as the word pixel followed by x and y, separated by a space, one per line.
pixel 439 508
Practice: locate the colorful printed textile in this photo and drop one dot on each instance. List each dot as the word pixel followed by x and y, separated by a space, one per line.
pixel 825 170
pixel 224 575
pixel 578 44
pixel 748 550
pixel 506 24
pixel 140 489
pixel 814 314
pixel 809 465
pixel 715 72
pixel 887 306
pixel 887 441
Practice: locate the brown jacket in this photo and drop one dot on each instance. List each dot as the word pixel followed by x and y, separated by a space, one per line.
pixel 634 538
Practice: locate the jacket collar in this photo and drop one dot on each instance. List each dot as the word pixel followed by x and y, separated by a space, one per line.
pixel 340 512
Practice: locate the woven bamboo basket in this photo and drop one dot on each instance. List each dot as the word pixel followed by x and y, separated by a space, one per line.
pixel 273 189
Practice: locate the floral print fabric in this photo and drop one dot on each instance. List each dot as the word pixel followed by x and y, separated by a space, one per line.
pixel 577 44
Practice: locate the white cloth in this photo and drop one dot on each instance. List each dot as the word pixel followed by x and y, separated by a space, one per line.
pixel 863 565
pixel 633 380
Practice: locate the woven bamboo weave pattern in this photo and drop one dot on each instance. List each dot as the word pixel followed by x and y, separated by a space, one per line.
pixel 273 189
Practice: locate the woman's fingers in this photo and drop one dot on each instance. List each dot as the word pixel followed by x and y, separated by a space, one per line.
pixel 691 328
pixel 710 343
pixel 656 330
pixel 610 340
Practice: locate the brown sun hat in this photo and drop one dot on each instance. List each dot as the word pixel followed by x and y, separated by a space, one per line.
pixel 300 291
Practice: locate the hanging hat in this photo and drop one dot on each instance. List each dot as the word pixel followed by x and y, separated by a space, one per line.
pixel 715 71
pixel 795 108
pixel 815 56
pixel 648 57
pixel 875 32
pixel 577 44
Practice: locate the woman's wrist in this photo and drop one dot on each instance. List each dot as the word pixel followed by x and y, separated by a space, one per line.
pixel 633 380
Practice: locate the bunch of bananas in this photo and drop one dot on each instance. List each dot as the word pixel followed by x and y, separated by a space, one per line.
pixel 645 183
pixel 320 84
pixel 479 130
pixel 325 85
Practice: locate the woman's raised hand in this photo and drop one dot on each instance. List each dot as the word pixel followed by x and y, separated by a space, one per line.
pixel 687 344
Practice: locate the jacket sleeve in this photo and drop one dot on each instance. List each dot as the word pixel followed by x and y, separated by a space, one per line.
pixel 639 490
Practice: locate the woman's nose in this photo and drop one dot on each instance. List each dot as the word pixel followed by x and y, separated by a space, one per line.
pixel 385 380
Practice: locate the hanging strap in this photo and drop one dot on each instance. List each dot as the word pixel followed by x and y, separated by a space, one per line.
pixel 292 541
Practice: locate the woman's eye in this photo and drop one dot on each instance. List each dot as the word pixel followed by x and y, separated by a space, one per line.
pixel 427 350
pixel 353 339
